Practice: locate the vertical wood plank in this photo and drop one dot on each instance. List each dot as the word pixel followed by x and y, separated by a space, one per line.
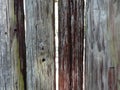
pixel 71 36
pixel 40 44
pixel 102 45
pixel 12 61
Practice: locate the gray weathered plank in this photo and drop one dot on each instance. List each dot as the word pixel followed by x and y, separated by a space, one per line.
pixel 103 45
pixel 71 36
pixel 12 61
pixel 40 44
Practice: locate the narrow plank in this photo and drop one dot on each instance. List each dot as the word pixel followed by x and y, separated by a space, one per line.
pixel 71 36
pixel 40 44
pixel 102 45
pixel 12 61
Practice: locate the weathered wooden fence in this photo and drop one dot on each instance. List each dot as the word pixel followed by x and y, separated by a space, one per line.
pixel 12 46
pixel 103 45
pixel 27 55
pixel 29 67
pixel 71 35
pixel 40 44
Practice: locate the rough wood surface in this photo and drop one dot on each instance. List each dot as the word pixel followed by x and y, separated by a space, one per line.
pixel 12 61
pixel 71 35
pixel 103 45
pixel 40 44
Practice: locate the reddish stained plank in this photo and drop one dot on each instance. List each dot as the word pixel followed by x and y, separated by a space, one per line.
pixel 112 79
pixel 71 36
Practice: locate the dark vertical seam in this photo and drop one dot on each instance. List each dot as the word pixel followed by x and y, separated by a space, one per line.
pixel 20 32
pixel 36 30
pixel 70 41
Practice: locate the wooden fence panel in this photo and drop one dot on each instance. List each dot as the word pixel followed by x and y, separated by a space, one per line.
pixel 12 52
pixel 71 36
pixel 103 45
pixel 40 44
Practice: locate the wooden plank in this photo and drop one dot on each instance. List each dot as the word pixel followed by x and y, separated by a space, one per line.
pixel 12 52
pixel 102 45
pixel 40 44
pixel 71 36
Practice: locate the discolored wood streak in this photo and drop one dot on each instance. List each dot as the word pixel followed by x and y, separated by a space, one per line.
pixel 102 45
pixel 71 36
pixel 40 44
pixel 20 32
pixel 12 46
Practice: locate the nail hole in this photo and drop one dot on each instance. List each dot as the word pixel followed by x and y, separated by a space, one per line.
pixel 5 32
pixel 43 59
pixel 15 29
pixel 42 48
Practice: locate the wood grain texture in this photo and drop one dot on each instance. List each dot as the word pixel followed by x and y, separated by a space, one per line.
pixel 40 44
pixel 12 61
pixel 102 45
pixel 71 36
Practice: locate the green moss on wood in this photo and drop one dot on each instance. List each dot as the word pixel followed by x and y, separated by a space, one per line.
pixel 15 47
pixel 13 16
